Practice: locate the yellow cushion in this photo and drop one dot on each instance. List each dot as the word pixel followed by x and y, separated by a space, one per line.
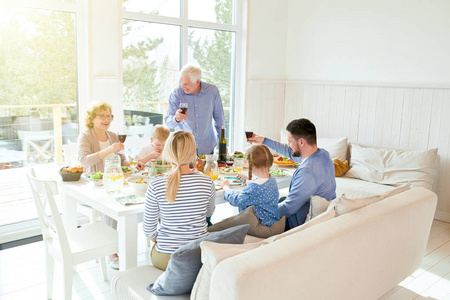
pixel 340 167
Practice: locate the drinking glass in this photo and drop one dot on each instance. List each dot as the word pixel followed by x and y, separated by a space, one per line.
pixel 122 137
pixel 248 132
pixel 238 164
pixel 211 168
pixel 183 107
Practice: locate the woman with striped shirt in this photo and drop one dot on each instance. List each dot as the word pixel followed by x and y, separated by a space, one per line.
pixel 182 200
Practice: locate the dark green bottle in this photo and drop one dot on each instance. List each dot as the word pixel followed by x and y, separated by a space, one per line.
pixel 223 147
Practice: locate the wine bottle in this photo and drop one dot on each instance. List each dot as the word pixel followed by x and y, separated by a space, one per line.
pixel 223 147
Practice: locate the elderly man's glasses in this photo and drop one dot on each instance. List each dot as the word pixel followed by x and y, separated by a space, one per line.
pixel 106 116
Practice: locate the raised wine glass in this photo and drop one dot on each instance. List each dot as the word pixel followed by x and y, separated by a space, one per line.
pixel 183 107
pixel 248 132
pixel 122 137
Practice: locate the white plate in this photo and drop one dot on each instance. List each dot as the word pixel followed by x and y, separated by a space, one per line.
pixel 287 165
pixel 228 173
pixel 231 179
pixel 275 175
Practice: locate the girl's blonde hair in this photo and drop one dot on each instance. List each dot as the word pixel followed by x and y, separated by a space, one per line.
pixel 93 111
pixel 179 150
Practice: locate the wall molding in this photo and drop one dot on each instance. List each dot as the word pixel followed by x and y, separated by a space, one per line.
pixel 357 84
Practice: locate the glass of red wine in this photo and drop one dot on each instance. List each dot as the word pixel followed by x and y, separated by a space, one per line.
pixel 122 137
pixel 183 107
pixel 248 132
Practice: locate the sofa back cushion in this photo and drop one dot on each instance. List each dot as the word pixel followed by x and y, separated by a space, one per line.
pixel 337 147
pixel 392 166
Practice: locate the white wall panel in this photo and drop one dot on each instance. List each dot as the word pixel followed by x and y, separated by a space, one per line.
pixel 393 117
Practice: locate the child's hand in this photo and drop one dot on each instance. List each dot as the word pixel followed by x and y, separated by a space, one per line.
pixel 140 165
pixel 224 182
pixel 242 176
pixel 155 154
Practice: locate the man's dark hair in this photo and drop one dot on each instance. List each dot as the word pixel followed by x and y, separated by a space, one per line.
pixel 303 128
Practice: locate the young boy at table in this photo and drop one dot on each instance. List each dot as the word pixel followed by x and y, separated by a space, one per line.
pixel 258 201
pixel 155 148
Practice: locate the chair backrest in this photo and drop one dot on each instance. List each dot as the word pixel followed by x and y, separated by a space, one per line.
pixel 49 217
pixel 70 152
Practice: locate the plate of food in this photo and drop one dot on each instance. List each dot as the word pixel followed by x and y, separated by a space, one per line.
pixel 228 171
pixel 277 173
pixel 284 161
pixel 95 177
pixel 161 164
pixel 127 170
pixel 235 180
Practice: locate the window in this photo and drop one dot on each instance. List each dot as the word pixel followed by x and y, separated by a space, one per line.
pixel 38 96
pixel 162 36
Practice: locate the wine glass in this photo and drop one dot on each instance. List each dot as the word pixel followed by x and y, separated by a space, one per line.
pixel 248 132
pixel 183 107
pixel 122 137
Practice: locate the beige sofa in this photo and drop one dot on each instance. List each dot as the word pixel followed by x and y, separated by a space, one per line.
pixel 358 255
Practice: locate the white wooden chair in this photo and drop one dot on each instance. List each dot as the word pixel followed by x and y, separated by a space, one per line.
pixel 93 241
pixel 38 145
pixel 70 153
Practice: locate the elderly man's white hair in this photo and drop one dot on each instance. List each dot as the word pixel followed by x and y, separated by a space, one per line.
pixel 194 73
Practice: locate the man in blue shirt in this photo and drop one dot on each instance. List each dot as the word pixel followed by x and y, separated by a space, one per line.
pixel 204 104
pixel 314 177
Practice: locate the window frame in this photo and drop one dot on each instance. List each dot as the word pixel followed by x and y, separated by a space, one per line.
pixel 237 103
pixel 30 228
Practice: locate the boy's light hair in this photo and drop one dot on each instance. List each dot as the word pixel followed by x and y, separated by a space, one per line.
pixel 161 133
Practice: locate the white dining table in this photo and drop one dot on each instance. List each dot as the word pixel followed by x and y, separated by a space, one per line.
pixel 127 216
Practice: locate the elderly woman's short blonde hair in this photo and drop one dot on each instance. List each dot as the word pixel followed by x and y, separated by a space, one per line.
pixel 93 111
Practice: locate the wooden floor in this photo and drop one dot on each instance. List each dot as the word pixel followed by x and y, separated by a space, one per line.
pixel 22 271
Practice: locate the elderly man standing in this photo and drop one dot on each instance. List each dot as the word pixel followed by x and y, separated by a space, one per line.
pixel 315 175
pixel 204 105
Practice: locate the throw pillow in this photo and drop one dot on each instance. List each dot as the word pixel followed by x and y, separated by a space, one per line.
pixel 317 206
pixel 323 217
pixel 336 147
pixel 396 191
pixel 393 166
pixel 340 167
pixel 212 255
pixel 185 262
pixel 344 205
pixel 248 216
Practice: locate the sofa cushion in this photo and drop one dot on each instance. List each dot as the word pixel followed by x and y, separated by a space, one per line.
pixel 248 216
pixel 344 205
pixel 132 283
pixel 317 206
pixel 336 147
pixel 357 188
pixel 185 262
pixel 393 167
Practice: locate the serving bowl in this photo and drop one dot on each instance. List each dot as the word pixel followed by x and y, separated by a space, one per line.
pixel 139 183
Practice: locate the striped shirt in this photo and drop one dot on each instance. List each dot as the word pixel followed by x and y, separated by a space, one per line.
pixel 185 219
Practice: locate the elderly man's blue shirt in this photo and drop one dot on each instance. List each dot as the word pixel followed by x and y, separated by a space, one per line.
pixel 203 107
